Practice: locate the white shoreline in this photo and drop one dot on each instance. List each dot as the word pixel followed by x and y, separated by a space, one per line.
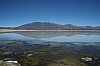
pixel 11 30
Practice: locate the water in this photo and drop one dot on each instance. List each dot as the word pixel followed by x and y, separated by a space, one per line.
pixel 51 48
pixel 53 36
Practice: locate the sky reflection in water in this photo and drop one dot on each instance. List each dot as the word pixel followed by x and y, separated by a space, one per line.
pixel 53 36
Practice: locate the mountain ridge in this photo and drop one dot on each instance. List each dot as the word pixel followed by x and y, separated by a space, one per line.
pixel 54 26
pixel 51 26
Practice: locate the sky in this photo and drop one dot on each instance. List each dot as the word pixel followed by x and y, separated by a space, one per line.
pixel 78 12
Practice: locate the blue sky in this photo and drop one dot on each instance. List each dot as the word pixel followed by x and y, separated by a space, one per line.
pixel 77 12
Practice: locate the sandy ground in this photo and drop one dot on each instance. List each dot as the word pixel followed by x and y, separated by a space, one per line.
pixel 10 30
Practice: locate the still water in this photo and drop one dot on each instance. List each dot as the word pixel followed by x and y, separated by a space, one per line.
pixel 50 48
pixel 53 36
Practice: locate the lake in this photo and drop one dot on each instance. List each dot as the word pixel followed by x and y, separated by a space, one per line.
pixel 53 36
pixel 51 48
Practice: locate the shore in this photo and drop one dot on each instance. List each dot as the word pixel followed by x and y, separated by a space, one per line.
pixel 11 30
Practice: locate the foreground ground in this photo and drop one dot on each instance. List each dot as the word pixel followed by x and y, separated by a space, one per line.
pixel 51 53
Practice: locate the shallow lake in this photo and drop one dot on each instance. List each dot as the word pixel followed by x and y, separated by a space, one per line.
pixel 53 36
pixel 51 48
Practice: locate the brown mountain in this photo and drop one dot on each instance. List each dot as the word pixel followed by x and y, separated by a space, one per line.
pixel 53 26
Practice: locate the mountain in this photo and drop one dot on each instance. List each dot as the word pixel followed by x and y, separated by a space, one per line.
pixel 53 26
pixel 6 28
pixel 40 26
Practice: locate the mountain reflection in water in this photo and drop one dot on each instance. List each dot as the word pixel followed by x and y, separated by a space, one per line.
pixel 55 36
pixel 57 49
pixel 48 34
pixel 64 36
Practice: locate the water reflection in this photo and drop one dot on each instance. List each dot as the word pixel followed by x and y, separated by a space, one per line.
pixel 54 36
pixel 64 36
pixel 58 49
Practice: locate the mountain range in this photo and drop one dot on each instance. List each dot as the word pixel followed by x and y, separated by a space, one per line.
pixel 53 26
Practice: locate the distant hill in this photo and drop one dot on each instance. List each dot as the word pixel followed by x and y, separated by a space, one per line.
pixel 6 28
pixel 40 26
pixel 53 26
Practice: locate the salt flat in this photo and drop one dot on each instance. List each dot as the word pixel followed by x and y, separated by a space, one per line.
pixel 12 30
